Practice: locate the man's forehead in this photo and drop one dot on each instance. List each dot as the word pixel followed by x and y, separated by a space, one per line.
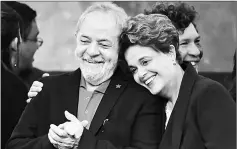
pixel 100 38
pixel 190 33
pixel 97 35
pixel 101 18
pixel 34 31
pixel 99 30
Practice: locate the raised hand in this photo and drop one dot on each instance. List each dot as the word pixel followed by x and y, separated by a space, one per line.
pixel 59 138
pixel 74 127
pixel 34 90
pixel 68 134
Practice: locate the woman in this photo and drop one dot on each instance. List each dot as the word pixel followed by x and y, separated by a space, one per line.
pixel 200 112
pixel 13 90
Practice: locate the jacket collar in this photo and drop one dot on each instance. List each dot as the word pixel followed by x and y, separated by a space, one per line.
pixel 116 86
pixel 174 130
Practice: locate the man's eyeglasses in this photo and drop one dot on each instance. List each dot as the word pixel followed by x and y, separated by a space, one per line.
pixel 38 40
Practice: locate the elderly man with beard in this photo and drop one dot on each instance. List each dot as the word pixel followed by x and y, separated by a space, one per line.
pixel 96 106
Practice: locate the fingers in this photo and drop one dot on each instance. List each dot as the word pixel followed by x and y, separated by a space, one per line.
pixel 54 136
pixel 58 139
pixel 75 128
pixel 28 100
pixel 51 139
pixel 71 117
pixel 70 128
pixel 35 88
pixel 32 94
pixel 37 84
pixel 58 131
pixel 77 135
pixel 45 75
pixel 84 123
pixel 61 126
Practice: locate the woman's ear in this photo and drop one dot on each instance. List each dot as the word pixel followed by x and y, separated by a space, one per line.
pixel 172 53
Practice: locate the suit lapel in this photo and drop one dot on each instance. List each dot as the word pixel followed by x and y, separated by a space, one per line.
pixel 174 129
pixel 115 88
pixel 71 92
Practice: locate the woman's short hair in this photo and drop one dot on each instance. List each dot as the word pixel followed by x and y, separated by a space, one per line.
pixel 155 31
pixel 119 13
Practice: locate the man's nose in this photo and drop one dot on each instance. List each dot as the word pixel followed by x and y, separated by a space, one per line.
pixel 93 49
pixel 195 51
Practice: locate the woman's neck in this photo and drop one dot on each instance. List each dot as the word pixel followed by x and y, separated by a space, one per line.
pixel 174 87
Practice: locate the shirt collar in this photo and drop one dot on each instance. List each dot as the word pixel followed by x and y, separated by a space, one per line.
pixel 102 87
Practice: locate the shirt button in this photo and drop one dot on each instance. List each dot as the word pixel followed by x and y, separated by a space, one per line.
pixel 87 98
pixel 86 111
pixel 102 131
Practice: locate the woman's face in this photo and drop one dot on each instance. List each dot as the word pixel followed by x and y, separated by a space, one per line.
pixel 151 69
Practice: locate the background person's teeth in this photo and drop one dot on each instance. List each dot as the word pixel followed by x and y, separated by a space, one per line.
pixel 193 63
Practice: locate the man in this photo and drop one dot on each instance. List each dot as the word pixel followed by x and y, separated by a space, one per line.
pixel 13 90
pixel 183 17
pixel 103 108
pixel 31 42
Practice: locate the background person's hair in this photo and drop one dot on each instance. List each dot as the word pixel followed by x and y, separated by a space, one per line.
pixel 155 31
pixel 180 13
pixel 119 13
pixel 234 65
pixel 11 24
pixel 232 89
pixel 27 14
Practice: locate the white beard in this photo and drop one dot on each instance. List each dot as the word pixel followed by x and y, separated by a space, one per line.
pixel 98 73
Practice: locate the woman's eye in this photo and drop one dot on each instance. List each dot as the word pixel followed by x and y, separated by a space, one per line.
pixel 183 43
pixel 144 63
pixel 132 70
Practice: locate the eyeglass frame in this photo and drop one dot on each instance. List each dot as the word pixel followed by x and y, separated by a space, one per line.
pixel 39 41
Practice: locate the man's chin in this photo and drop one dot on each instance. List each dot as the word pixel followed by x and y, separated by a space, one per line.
pixel 195 67
pixel 99 73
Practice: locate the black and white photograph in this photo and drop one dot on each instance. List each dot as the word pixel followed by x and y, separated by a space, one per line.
pixel 118 74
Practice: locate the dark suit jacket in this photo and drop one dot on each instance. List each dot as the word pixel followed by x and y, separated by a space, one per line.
pixel 13 102
pixel 204 116
pixel 134 115
pixel 30 75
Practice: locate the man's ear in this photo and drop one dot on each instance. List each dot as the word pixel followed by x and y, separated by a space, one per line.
pixel 14 44
pixel 172 52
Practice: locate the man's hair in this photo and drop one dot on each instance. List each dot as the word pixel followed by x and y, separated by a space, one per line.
pixel 11 23
pixel 118 12
pixel 27 14
pixel 154 30
pixel 180 13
